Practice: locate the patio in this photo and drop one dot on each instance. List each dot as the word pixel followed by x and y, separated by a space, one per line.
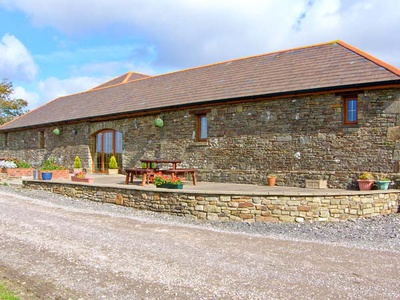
pixel 231 202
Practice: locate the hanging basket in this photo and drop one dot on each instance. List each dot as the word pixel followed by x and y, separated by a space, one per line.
pixel 158 122
pixel 56 131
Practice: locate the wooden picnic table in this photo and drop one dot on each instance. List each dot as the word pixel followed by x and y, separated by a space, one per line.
pixel 149 170
pixel 149 162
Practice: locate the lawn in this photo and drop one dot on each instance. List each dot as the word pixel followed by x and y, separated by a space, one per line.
pixel 6 294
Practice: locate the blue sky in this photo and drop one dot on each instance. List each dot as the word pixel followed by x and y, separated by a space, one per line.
pixel 50 48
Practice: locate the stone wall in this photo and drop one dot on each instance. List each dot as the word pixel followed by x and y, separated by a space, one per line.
pixel 299 207
pixel 247 140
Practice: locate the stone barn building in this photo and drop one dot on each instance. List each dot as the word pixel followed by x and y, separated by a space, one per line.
pixel 323 111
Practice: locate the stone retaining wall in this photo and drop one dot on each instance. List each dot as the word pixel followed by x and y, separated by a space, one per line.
pixel 303 207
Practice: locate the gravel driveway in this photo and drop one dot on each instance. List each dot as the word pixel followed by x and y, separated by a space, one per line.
pixel 53 247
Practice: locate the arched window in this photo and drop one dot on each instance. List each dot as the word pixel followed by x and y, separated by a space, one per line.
pixel 107 143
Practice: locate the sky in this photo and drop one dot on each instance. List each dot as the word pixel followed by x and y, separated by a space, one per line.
pixel 51 48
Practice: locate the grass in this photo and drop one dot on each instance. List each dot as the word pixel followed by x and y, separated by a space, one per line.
pixel 6 294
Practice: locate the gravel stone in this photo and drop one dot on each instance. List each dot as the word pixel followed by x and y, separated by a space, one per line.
pixel 187 258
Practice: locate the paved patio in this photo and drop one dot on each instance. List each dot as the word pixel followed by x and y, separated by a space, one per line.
pixel 118 181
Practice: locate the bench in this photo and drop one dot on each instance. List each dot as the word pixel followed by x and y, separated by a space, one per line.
pixel 176 172
pixel 134 172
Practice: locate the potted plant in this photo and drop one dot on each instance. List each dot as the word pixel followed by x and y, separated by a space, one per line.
pixel 51 170
pixel 383 182
pixel 13 167
pixel 113 166
pixel 81 177
pixel 165 181
pixel 271 178
pixel 77 165
pixel 365 181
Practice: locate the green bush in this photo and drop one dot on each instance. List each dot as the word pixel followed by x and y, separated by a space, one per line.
pixel 50 165
pixel 19 164
pixel 77 163
pixel 23 165
pixel 366 176
pixel 113 163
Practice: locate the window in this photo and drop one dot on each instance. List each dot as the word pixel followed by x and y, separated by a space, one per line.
pixel 42 144
pixel 350 110
pixel 202 128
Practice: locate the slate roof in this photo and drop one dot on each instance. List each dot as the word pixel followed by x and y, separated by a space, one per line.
pixel 326 66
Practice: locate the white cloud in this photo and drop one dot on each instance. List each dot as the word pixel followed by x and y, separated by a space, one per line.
pixel 190 33
pixel 21 93
pixel 176 34
pixel 52 88
pixel 15 60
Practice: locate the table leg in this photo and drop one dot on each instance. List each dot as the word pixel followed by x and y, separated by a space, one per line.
pixel 194 178
pixel 144 179
pixel 127 178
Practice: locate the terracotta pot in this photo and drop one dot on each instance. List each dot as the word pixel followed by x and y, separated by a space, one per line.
pixel 365 185
pixel 271 181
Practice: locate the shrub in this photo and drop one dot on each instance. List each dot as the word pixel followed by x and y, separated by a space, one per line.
pixel 23 165
pixel 366 176
pixel 77 163
pixel 50 165
pixel 12 163
pixel 6 164
pixel 113 163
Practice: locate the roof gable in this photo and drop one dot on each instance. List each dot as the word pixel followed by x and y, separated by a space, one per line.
pixel 319 67
pixel 127 77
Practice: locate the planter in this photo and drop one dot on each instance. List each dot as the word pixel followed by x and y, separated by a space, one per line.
pixel 18 172
pixel 113 171
pixel 171 186
pixel 77 170
pixel 365 185
pixel 271 181
pixel 77 179
pixel 316 184
pixel 46 175
pixel 382 185
pixel 57 174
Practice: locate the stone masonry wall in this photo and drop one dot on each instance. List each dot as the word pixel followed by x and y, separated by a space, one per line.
pixel 246 140
pixel 300 208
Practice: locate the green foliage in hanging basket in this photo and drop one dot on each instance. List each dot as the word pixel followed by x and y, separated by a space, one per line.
pixel 56 131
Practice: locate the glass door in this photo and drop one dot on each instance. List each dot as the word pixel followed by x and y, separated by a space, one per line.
pixel 107 144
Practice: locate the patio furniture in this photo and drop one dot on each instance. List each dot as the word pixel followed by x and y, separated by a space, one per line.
pixel 149 162
pixel 134 172
pixel 183 172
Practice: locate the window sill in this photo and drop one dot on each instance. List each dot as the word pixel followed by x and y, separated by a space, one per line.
pixel 200 144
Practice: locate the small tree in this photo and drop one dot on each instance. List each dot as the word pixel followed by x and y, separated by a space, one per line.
pixel 113 163
pixel 77 163
pixel 10 108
